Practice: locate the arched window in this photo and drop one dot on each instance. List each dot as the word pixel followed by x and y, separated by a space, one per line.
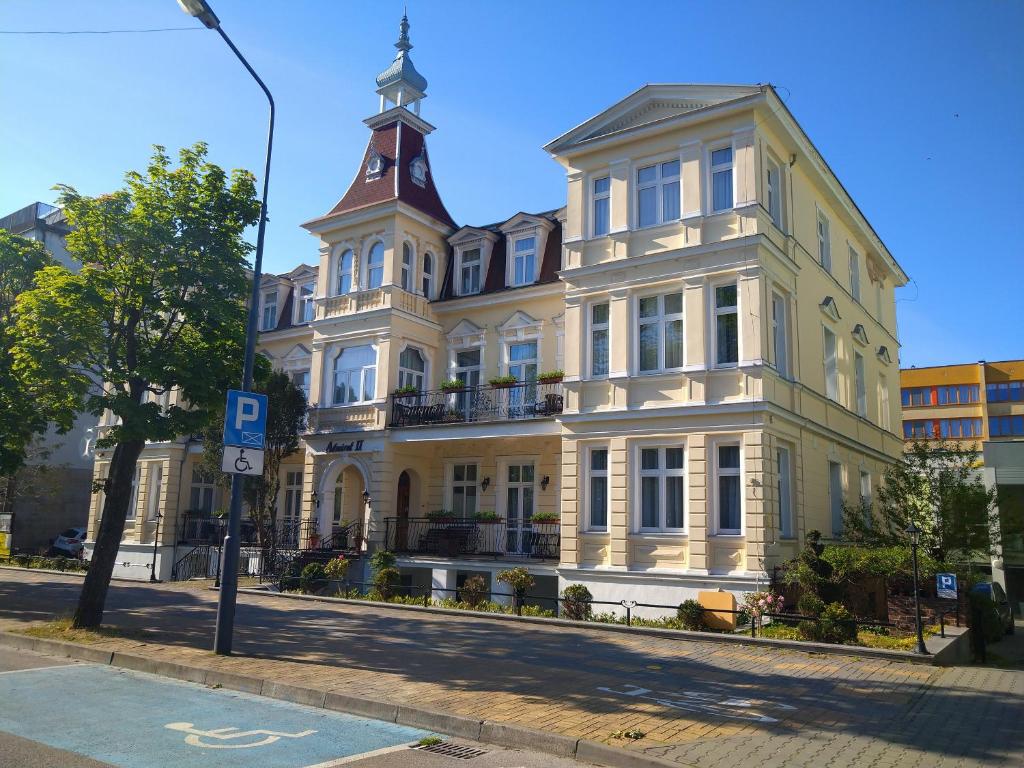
pixel 406 279
pixel 375 266
pixel 355 375
pixel 428 275
pixel 345 272
pixel 411 368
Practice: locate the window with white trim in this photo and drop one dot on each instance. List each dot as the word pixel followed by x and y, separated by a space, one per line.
pixel 835 497
pixel 660 333
pixel 153 487
pixel 780 334
pixel 824 243
pixel 345 272
pixel 428 275
pixel 865 487
pixel 406 272
pixel 721 179
pixel 306 305
pixel 773 192
pixel 602 206
pixel 884 419
pixel 727 340
pixel 785 491
pixel 662 489
pixel 201 492
pixel 657 193
pixel 854 274
pixel 412 367
pixel 355 375
pixel 597 489
pixel 728 501
pixel 301 380
pixel 375 266
pixel 599 339
pixel 469 272
pixel 133 505
pixel 831 362
pixel 524 260
pixel 464 489
pixel 292 497
pixel 269 319
pixel 861 384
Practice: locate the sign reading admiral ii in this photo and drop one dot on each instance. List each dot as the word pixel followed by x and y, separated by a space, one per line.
pixel 333 447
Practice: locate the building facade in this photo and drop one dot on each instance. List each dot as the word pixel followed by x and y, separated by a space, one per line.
pixel 656 389
pixel 979 404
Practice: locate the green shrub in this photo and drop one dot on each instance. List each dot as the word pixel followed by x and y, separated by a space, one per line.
pixel 810 604
pixel 691 615
pixel 520 580
pixel 382 559
pixel 576 602
pixel 336 569
pixel 474 591
pixel 24 561
pixel 386 581
pixel 836 624
pixel 312 578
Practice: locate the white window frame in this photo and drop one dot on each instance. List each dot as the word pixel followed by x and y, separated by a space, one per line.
pixel 662 474
pixel 596 196
pixel 527 256
pixel 718 312
pixel 773 191
pixel 784 491
pixel 411 376
pixel 719 472
pixel 831 366
pixel 591 347
pixel 661 320
pixel 824 231
pixel 369 269
pixel 659 184
pixel 133 505
pixel 291 507
pixel 450 482
pixel 268 315
pixel 407 269
pixel 835 499
pixel 365 396
pixel 460 266
pixel 204 483
pixel 713 170
pixel 780 333
pixel 428 274
pixel 860 385
pixel 884 414
pixel 154 487
pixel 590 474
pixel 342 272
pixel 306 301
pixel 303 384
pixel 865 486
pixel 854 273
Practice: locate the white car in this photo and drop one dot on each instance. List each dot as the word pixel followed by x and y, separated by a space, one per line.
pixel 69 543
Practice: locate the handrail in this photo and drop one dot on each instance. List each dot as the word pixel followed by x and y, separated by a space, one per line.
pixel 513 402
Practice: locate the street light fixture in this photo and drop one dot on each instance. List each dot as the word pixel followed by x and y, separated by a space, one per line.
pixel 201 10
pixel 914 532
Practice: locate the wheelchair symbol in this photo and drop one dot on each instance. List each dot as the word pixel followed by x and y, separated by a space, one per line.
pixel 196 735
pixel 241 463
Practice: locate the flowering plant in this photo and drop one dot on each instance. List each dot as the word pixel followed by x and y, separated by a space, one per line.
pixel 760 603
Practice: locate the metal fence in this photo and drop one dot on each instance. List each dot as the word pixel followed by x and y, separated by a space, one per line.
pixel 455 537
pixel 523 400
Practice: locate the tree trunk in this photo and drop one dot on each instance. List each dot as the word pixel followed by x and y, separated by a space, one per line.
pixel 108 539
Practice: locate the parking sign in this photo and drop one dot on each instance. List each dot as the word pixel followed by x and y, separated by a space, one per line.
pixel 945 585
pixel 245 419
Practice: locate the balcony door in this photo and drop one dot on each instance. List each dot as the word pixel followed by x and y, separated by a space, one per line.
pixel 467 370
pixel 519 499
pixel 522 363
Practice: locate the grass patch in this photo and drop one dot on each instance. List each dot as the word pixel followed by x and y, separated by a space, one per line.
pixel 61 629
pixel 429 741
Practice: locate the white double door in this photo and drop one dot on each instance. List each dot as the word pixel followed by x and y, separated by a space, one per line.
pixel 519 505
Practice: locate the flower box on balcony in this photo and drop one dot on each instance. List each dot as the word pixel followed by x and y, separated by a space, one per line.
pixel 503 382
pixel 545 520
pixel 487 518
pixel 551 377
pixel 451 385
pixel 407 391
pixel 441 516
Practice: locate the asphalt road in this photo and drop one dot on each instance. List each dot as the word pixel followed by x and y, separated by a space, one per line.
pixel 57 712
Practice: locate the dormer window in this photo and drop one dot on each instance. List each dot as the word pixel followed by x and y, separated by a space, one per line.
pixel 418 169
pixel 374 164
pixel 469 272
pixel 269 318
pixel 306 306
pixel 524 261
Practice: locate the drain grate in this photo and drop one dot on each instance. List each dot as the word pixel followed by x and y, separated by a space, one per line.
pixel 457 751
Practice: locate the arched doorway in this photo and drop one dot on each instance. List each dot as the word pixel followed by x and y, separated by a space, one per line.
pixel 340 495
pixel 402 510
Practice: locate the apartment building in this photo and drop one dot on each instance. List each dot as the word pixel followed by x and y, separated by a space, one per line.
pixel 655 389
pixel 979 404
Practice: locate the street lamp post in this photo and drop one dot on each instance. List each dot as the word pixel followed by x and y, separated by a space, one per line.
pixel 229 579
pixel 914 533
pixel 156 543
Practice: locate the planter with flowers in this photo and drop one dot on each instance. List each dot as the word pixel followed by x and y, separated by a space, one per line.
pixel 406 391
pixel 551 377
pixel 451 385
pixel 503 382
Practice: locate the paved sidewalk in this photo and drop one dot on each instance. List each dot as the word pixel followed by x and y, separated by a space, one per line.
pixel 698 703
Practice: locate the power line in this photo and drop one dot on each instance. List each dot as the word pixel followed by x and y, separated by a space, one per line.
pixel 96 31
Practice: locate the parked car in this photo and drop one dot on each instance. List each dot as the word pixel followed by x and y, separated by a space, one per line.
pixel 993 591
pixel 69 543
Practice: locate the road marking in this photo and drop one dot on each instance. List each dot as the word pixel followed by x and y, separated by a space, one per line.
pixel 717 704
pixel 364 756
pixel 33 669
pixel 196 735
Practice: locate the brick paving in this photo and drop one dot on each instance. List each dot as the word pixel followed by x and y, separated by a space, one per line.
pixel 698 703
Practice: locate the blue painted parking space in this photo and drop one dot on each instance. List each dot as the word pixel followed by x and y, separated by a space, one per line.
pixel 135 720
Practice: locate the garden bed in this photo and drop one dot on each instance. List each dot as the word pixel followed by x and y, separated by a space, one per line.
pixel 866 638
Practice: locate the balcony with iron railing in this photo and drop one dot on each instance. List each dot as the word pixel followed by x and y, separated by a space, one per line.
pixel 469 405
pixel 384 297
pixel 475 539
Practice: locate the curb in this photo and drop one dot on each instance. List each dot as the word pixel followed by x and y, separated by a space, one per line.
pixel 53 572
pixel 670 634
pixel 487 731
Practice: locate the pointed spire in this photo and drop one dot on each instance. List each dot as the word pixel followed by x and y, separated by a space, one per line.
pixel 403 43
pixel 401 77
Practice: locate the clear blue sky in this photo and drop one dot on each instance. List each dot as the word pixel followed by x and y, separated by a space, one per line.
pixel 918 107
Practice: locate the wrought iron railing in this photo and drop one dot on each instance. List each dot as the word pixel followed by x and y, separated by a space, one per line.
pixel 498 539
pixel 523 400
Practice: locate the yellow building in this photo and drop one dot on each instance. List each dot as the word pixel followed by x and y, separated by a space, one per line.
pixel 714 314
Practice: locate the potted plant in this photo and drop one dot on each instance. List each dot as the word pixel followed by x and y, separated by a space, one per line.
pixel 546 518
pixel 487 516
pixel 452 385
pixel 441 516
pixel 408 389
pixel 550 377
pixel 503 382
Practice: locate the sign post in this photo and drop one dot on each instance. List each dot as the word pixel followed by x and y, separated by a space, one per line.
pixel 245 428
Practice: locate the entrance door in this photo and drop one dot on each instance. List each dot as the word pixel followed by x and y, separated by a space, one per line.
pixel 292 511
pixel 402 524
pixel 519 508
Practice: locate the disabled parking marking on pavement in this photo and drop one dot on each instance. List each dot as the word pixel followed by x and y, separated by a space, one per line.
pixel 708 703
pixel 195 736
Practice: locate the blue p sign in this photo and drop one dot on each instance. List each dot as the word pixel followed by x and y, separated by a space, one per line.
pixel 245 419
pixel 945 585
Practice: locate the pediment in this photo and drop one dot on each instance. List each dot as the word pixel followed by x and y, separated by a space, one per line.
pixel 829 308
pixel 301 271
pixel 883 355
pixel 525 220
pixel 518 319
pixel 466 332
pixel 469 234
pixel 860 335
pixel 298 352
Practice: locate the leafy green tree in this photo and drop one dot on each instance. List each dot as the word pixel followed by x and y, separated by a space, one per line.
pixel 21 416
pixel 937 487
pixel 158 305
pixel 286 419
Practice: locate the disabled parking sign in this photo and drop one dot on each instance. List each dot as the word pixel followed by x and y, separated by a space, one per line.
pixel 945 585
